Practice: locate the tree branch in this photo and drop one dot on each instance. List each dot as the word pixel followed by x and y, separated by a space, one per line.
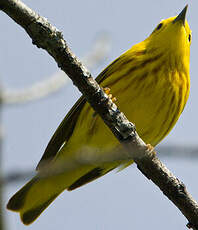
pixel 46 36
pixel 165 151
pixel 58 80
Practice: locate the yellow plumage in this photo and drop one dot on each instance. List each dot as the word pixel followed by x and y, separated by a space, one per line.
pixel 151 83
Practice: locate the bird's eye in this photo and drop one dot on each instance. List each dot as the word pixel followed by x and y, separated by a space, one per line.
pixel 159 26
pixel 189 37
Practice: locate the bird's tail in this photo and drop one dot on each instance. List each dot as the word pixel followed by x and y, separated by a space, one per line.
pixel 33 198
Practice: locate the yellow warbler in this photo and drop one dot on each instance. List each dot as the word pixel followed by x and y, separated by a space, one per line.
pixel 151 83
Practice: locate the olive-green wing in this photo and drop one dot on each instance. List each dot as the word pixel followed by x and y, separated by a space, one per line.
pixel 63 133
pixel 65 129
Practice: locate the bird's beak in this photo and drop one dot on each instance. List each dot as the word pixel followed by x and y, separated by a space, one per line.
pixel 182 16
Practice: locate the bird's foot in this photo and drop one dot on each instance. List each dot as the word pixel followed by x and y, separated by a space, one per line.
pixel 107 91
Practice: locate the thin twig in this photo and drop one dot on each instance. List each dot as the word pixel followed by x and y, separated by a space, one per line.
pixel 179 151
pixel 58 80
pixel 46 36
pixel 186 152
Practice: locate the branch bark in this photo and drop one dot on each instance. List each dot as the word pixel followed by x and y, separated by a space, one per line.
pixel 46 36
pixel 58 80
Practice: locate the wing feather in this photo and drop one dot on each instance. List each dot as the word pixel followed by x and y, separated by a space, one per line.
pixel 66 128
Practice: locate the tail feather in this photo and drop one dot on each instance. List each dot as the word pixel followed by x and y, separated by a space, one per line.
pixel 32 199
pixel 17 201
pixel 29 216
pixel 89 176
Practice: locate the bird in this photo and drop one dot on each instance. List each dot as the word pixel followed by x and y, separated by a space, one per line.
pixel 151 84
